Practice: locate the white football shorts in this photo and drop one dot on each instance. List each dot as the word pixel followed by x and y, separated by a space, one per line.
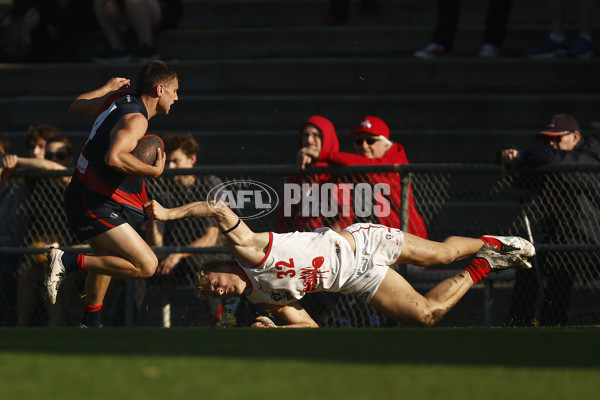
pixel 377 247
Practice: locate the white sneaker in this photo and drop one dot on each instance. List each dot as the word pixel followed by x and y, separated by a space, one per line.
pixel 432 51
pixel 55 273
pixel 489 50
pixel 499 260
pixel 515 245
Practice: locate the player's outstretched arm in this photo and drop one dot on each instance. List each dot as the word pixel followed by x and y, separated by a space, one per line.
pixel 293 314
pixel 244 244
pixel 89 104
pixel 225 217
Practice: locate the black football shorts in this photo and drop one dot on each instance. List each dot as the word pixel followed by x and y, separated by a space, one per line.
pixel 91 214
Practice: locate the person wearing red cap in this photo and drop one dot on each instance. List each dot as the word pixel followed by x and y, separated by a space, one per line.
pixel 571 217
pixel 373 147
pixel 318 134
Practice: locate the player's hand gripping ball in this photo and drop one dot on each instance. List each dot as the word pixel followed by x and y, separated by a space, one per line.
pixel 145 150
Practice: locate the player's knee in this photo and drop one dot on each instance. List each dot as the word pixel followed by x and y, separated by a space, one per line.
pixel 147 266
pixel 430 317
pixel 447 254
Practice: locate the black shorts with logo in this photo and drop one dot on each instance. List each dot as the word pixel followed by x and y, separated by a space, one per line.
pixel 90 213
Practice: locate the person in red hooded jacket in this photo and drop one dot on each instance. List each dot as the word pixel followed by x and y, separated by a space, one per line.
pixel 317 134
pixel 373 147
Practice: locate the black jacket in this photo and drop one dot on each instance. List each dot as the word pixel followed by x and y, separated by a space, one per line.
pixel 587 151
pixel 567 204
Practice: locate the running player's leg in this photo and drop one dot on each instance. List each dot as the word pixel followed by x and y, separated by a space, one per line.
pixel 118 252
pixel 122 253
pixel 122 248
pixel 96 286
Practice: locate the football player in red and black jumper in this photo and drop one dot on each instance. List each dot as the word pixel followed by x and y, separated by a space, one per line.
pixel 109 181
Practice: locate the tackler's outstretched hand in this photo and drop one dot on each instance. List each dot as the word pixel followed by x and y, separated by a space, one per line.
pixel 154 210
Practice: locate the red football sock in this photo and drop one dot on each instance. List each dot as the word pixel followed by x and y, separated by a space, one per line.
pixel 479 268
pixel 89 308
pixel 81 262
pixel 493 242
pixel 91 316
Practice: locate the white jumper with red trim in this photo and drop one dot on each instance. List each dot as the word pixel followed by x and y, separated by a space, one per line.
pixel 322 261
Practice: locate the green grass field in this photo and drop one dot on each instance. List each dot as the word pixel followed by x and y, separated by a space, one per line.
pixel 244 363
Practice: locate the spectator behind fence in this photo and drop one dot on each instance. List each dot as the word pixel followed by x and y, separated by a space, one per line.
pixel 373 147
pixel 29 270
pixel 447 22
pixel 339 11
pixel 46 204
pixel 37 136
pixel 144 17
pixel 318 134
pixel 182 152
pixel 181 268
pixel 12 231
pixel 49 151
pixel 556 43
pixel 571 215
pixel 4 150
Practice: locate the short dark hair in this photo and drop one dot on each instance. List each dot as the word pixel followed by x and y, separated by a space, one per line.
pixel 184 142
pixel 64 140
pixel 42 132
pixel 152 74
pixel 4 145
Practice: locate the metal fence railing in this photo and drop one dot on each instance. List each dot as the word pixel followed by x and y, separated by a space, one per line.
pixel 558 208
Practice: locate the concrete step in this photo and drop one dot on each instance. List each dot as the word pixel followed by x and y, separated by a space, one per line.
pixel 258 112
pixel 422 146
pixel 245 13
pixel 279 146
pixel 370 76
pixel 272 28
pixel 238 13
pixel 199 44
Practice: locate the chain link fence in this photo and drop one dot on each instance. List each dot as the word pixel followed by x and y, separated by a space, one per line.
pixel 557 208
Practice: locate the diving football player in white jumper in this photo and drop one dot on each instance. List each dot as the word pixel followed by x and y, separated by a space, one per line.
pixel 277 270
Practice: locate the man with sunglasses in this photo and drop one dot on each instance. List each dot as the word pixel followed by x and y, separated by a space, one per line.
pixel 59 150
pixel 39 137
pixel 373 147
pixel 563 143
pixel 568 213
